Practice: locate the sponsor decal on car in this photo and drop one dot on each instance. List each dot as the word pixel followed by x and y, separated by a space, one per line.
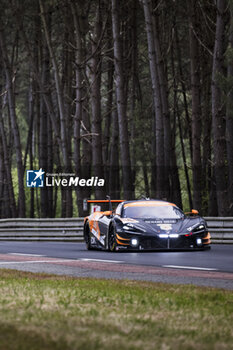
pixel 165 227
pixel 128 220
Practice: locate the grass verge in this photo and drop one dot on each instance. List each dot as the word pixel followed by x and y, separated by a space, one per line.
pixel 39 311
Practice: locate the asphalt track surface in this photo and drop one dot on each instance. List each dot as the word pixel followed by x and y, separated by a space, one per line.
pixel 212 268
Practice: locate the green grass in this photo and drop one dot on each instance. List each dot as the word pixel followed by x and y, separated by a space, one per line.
pixel 39 311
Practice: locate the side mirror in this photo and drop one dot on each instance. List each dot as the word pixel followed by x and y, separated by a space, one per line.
pixel 195 212
pixel 192 212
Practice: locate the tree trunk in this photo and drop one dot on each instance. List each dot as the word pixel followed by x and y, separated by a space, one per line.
pixel 50 148
pixel 206 143
pixel 6 183
pixel 108 112
pixel 2 171
pixel 165 108
pixel 63 116
pixel 81 116
pixel 218 112
pixel 133 63
pixel 175 180
pixel 183 91
pixel 153 184
pixel 78 116
pixel 43 151
pixel 159 134
pixel 114 172
pixel 206 139
pixel 7 170
pixel 46 96
pixel 95 79
pixel 67 88
pixel 14 124
pixel 196 107
pixel 121 102
pixel 58 89
pixel 229 121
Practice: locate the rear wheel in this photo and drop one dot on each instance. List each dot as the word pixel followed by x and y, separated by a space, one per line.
pixel 112 239
pixel 87 236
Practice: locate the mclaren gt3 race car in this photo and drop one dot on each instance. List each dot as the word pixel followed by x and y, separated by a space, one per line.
pixel 145 225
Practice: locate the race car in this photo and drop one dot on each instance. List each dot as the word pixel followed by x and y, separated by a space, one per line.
pixel 145 224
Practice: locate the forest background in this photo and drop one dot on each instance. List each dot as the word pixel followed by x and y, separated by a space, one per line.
pixel 138 92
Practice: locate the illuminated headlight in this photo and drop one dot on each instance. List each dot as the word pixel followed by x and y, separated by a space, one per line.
pixel 163 235
pixel 199 241
pixel 134 242
pixel 200 227
pixel 174 235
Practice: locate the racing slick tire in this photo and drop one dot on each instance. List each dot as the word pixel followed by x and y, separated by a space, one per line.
pixel 111 239
pixel 87 237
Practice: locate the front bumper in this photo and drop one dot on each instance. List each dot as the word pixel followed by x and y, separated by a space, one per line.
pixel 145 242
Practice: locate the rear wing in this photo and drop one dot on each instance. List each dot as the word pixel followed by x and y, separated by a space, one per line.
pixel 110 201
pixel 104 200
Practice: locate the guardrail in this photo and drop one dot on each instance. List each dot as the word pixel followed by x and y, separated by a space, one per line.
pixel 65 229
pixel 71 229
pixel 221 229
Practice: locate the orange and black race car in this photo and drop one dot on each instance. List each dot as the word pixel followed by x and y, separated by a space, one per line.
pixel 145 224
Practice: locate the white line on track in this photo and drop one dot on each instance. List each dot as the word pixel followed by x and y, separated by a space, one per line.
pixel 101 260
pixel 23 254
pixel 190 267
pixel 57 261
pixel 33 262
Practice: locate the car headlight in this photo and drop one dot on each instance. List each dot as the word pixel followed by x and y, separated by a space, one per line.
pixel 131 227
pixel 198 228
pixel 134 242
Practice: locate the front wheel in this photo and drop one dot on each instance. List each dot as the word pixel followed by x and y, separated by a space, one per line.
pixel 112 239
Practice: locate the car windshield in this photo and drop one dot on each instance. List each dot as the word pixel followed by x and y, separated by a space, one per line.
pixel 158 212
